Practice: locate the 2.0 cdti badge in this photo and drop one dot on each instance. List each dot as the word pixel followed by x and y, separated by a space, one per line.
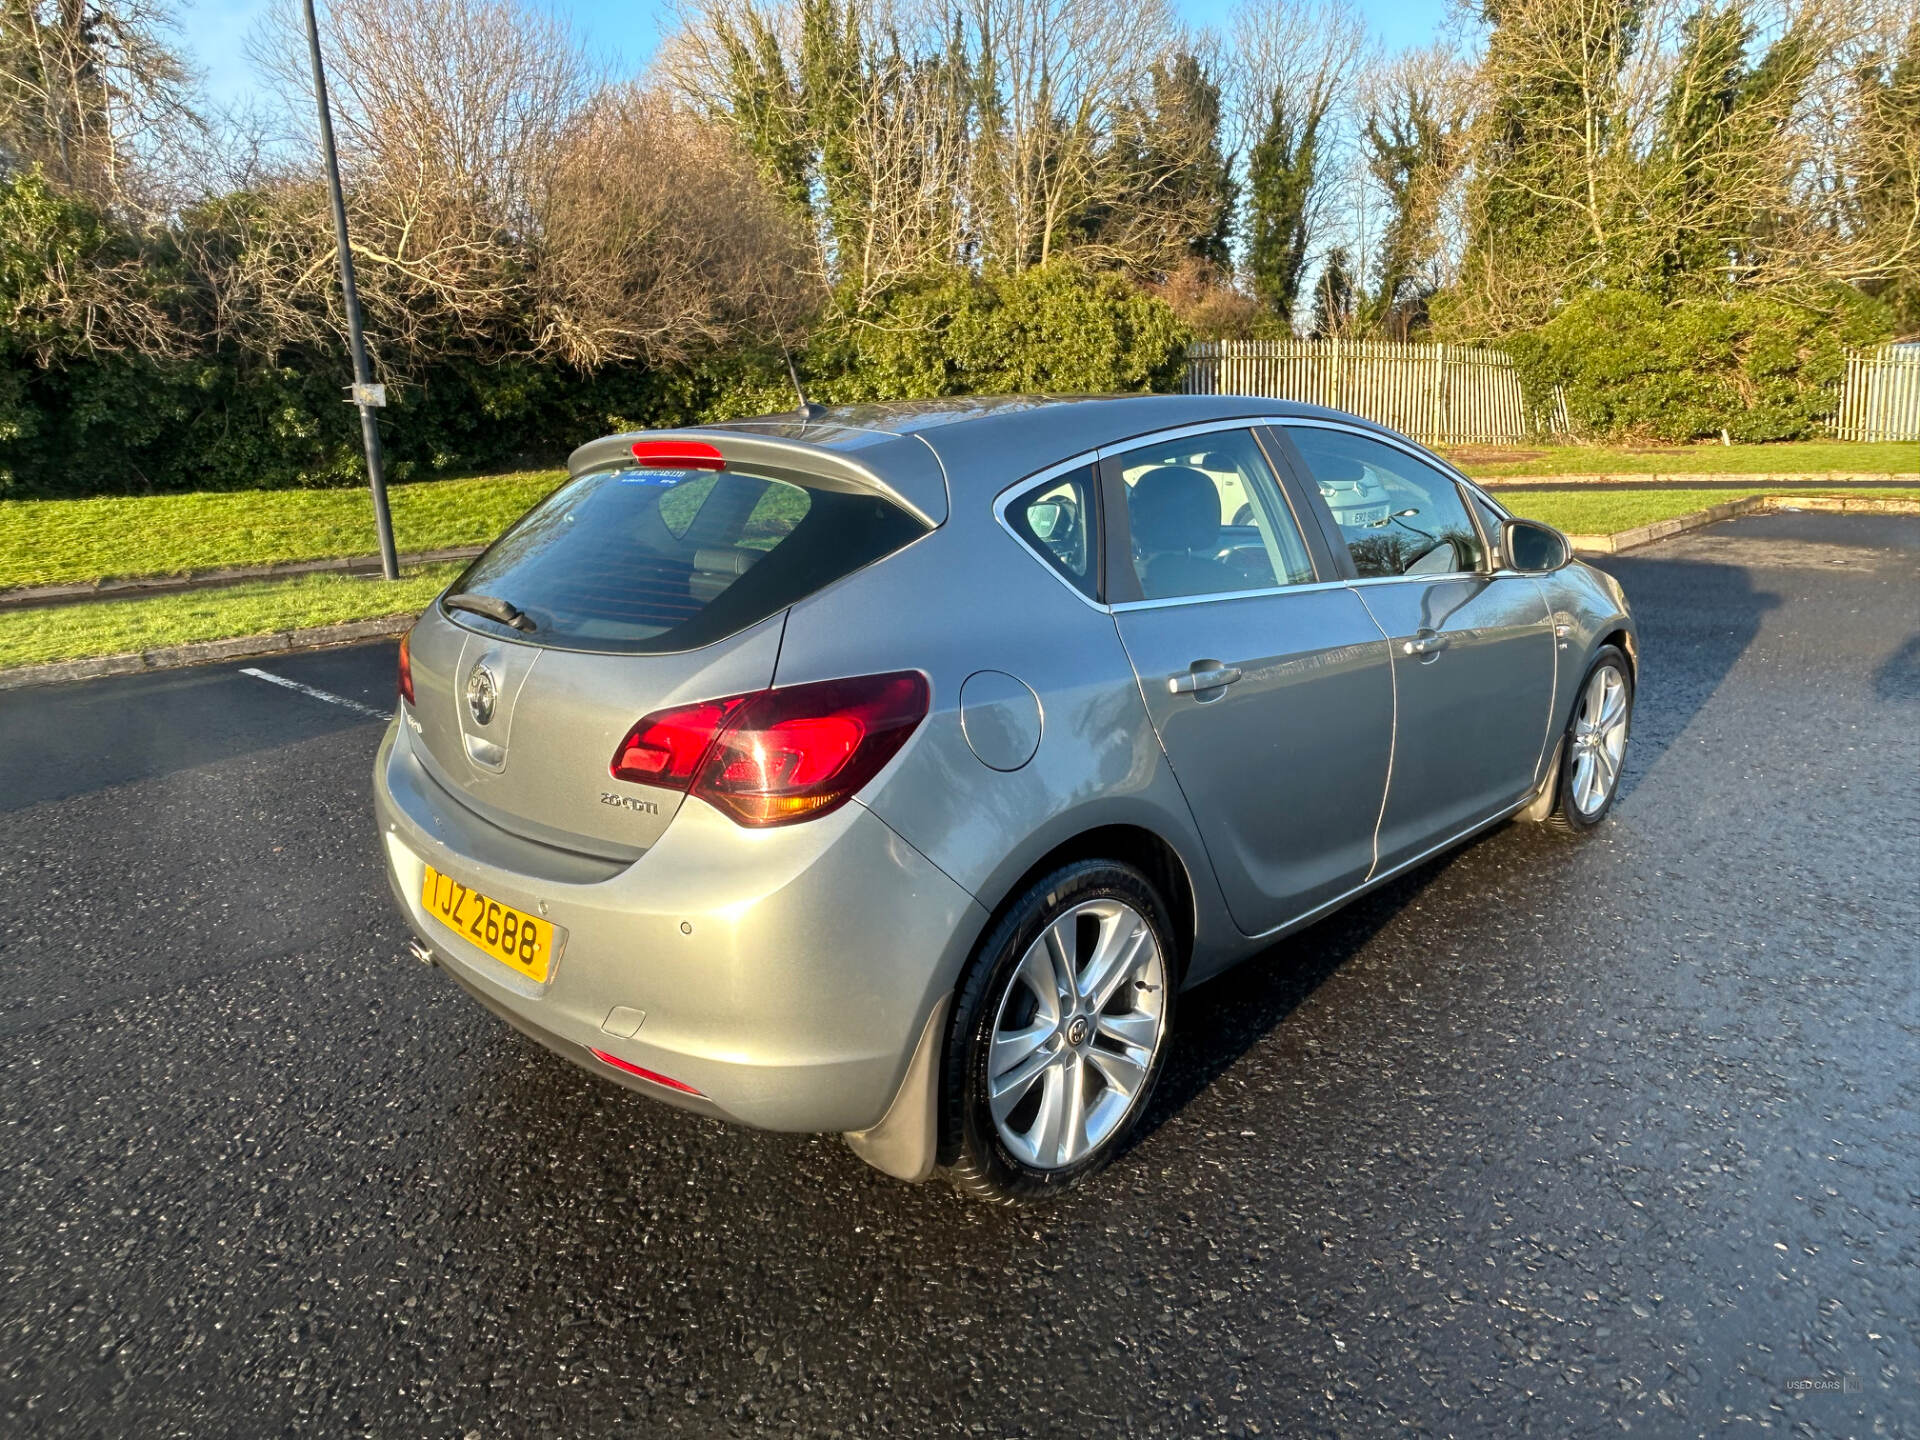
pixel 892 770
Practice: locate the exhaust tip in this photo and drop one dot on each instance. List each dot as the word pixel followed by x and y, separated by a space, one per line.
pixel 420 952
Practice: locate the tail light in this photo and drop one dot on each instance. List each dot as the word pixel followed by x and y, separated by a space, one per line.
pixel 406 670
pixel 777 756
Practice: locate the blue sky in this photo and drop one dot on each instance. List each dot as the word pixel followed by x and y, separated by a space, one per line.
pixel 626 31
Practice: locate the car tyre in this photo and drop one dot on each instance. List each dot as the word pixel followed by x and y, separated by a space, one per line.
pixel 1041 1087
pixel 1593 749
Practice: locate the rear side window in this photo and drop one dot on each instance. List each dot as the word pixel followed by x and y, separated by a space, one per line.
pixel 1056 519
pixel 652 560
pixel 1206 517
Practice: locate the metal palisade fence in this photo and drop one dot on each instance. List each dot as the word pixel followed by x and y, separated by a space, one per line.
pixel 1438 394
pixel 1881 397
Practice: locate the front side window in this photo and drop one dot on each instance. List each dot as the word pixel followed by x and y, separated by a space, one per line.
pixel 1056 519
pixel 1206 517
pixel 1398 515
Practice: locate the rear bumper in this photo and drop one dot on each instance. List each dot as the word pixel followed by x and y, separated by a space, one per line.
pixel 784 974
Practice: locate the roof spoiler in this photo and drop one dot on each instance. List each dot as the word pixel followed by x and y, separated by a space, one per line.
pixel 901 468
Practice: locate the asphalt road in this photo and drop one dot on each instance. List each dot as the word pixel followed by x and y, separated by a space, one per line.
pixel 1551 1137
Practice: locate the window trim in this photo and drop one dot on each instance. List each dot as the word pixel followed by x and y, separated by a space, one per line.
pixel 1333 565
pixel 1329 552
pixel 1495 548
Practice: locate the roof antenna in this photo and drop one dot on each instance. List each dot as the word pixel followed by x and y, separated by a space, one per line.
pixel 806 409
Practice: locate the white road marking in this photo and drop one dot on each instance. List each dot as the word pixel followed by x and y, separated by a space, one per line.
pixel 317 694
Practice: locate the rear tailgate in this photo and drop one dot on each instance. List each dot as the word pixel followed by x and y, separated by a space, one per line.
pixel 646 587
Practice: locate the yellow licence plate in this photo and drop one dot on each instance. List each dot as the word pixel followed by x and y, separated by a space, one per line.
pixel 510 936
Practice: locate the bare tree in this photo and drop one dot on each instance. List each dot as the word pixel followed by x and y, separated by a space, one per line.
pixel 79 286
pixel 1413 139
pixel 658 239
pixel 1669 146
pixel 1057 80
pixel 1866 136
pixel 1295 61
pixel 449 114
pixel 1003 134
pixel 92 91
pixel 858 110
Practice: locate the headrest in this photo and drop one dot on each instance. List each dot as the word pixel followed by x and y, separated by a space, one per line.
pixel 1174 507
pixel 725 559
pixel 1338 469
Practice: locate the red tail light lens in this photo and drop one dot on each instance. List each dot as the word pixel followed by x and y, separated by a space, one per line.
pixel 667 747
pixel 679 454
pixel 778 756
pixel 406 669
pixel 804 750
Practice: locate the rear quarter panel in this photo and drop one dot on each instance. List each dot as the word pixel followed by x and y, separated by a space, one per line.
pixel 967 598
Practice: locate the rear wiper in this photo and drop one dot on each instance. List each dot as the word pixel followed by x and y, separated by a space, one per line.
pixel 491 606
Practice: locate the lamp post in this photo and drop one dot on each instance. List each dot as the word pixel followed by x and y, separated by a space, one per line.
pixel 365 394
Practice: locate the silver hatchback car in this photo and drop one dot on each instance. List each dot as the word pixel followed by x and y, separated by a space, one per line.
pixel 891 770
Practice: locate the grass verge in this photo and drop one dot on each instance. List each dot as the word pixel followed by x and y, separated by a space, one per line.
pixel 1606 512
pixel 55 542
pixel 1791 457
pixel 118 627
pixel 261 607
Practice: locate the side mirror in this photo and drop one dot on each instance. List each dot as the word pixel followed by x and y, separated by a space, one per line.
pixel 1534 548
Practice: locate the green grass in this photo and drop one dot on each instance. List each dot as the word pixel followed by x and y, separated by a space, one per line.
pixel 51 542
pixel 118 627
pixel 1805 457
pixel 287 525
pixel 1583 511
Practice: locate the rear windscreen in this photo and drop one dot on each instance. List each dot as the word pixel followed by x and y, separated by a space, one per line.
pixel 641 560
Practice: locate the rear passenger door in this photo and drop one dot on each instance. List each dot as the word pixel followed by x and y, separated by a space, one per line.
pixel 1266 680
pixel 1473 646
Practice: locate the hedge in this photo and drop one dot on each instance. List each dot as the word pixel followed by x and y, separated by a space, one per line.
pixel 1759 367
pixel 79 419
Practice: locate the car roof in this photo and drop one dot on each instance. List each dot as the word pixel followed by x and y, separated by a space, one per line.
pixel 1082 422
pixel 979 440
pixel 1003 437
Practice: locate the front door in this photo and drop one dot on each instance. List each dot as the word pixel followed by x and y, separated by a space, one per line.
pixel 1473 648
pixel 1272 694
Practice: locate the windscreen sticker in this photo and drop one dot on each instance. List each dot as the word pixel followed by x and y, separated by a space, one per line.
pixel 658 477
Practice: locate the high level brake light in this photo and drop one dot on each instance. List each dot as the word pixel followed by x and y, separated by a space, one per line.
pixel 679 454
pixel 777 756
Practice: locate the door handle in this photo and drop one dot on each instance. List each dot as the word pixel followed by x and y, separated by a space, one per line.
pixel 1198 678
pixel 1428 644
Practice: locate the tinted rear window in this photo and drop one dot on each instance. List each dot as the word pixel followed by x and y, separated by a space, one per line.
pixel 640 560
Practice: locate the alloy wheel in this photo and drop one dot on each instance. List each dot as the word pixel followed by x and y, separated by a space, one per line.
pixel 1599 739
pixel 1076 1033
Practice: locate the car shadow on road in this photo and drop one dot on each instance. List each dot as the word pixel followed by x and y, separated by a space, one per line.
pixel 1223 1019
pixel 1898 676
pixel 1696 619
pixel 61 741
